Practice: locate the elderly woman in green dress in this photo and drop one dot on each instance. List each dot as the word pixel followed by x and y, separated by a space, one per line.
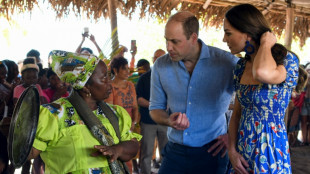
pixel 81 133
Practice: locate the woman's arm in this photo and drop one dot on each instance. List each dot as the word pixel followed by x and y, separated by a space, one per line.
pixel 238 162
pixel 265 68
pixel 124 151
pixel 233 125
pixel 92 38
pixel 78 50
pixel 33 153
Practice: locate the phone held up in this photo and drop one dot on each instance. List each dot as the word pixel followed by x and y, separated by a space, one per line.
pixel 86 31
pixel 133 47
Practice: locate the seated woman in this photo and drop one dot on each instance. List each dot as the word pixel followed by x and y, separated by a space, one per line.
pixel 63 139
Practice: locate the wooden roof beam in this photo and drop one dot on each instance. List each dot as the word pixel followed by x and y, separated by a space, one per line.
pixel 206 4
pixel 267 9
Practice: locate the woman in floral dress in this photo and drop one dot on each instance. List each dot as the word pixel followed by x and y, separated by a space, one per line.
pixel 263 80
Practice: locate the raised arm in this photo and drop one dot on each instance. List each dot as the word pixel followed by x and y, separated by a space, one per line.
pixel 78 50
pixel 92 38
pixel 265 68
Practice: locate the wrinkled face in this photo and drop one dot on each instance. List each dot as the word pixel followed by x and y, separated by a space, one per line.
pixel 100 86
pixel 3 74
pixel 234 38
pixel 178 46
pixel 123 72
pixel 54 81
pixel 30 77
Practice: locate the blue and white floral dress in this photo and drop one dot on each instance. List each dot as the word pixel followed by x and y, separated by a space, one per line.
pixel 262 138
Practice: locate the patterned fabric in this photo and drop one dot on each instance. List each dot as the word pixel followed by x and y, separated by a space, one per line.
pixel 125 97
pixel 73 68
pixel 262 138
pixel 66 142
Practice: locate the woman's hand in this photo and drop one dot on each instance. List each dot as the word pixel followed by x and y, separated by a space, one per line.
pixel 239 164
pixel 268 39
pixel 113 152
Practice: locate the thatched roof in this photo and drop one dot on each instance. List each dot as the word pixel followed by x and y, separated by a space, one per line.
pixel 274 10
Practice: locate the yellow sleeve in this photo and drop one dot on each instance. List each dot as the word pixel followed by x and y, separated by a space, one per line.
pixel 47 129
pixel 125 124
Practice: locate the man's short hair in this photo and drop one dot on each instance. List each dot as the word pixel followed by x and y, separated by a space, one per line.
pixel 34 53
pixel 189 22
pixel 142 62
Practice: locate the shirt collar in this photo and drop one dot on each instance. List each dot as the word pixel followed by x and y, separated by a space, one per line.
pixel 204 52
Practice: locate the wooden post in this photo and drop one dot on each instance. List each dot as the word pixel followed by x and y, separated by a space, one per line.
pixel 113 18
pixel 289 27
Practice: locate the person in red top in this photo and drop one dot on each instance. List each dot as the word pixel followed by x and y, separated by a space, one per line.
pixel 57 88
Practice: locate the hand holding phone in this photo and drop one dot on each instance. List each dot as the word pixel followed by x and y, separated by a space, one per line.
pixel 133 48
pixel 86 32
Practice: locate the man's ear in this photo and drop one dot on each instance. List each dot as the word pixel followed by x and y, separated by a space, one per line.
pixel 194 37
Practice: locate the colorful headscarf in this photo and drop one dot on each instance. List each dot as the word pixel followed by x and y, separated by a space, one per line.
pixel 73 68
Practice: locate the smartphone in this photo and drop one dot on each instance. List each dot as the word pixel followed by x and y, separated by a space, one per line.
pixel 86 31
pixel 133 46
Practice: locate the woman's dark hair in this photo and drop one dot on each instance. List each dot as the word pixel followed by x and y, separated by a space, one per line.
pixel 50 72
pixel 87 49
pixel 3 65
pixel 42 72
pixel 118 63
pixel 302 79
pixel 12 67
pixel 248 19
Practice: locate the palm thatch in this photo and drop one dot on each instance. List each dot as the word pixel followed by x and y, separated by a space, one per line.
pixel 274 10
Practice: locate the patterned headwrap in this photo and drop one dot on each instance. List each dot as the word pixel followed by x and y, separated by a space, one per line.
pixel 73 68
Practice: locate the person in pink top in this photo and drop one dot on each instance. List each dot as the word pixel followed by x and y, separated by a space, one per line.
pixel 29 72
pixel 57 88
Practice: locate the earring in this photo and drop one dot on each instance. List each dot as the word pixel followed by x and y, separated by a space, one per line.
pixel 247 46
pixel 88 94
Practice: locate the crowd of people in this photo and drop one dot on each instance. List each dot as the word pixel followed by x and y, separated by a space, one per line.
pixel 205 109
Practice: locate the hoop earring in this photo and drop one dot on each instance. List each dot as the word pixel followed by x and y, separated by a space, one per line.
pixel 248 45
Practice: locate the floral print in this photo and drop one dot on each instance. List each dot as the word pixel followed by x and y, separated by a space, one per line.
pixel 73 68
pixel 262 138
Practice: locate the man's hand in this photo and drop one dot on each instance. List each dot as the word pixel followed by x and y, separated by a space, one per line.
pixel 221 143
pixel 113 152
pixel 178 121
